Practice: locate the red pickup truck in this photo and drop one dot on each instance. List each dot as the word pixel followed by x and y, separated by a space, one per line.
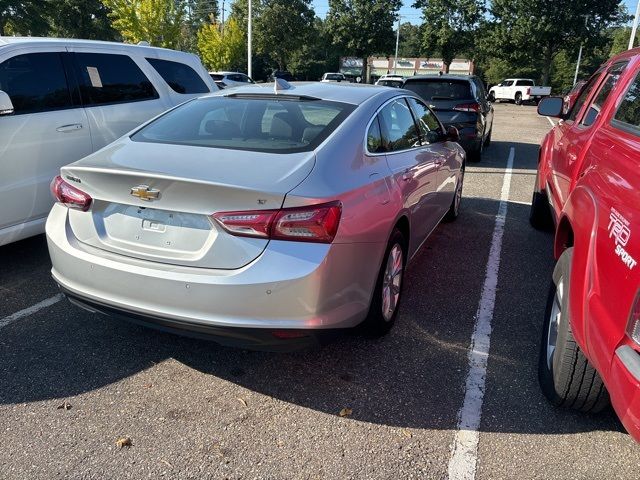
pixel 588 188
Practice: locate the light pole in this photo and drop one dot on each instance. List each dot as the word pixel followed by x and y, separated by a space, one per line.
pixel 395 61
pixel 635 27
pixel 575 77
pixel 249 43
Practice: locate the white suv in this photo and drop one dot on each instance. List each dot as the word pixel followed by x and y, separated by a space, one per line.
pixel 61 100
pixel 231 79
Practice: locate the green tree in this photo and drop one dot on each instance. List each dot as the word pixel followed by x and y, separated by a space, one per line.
pixel 410 44
pixel 81 19
pixel 363 27
pixel 26 17
pixel 449 27
pixel 316 56
pixel 158 22
pixel 282 27
pixel 620 40
pixel 218 51
pixel 202 11
pixel 534 32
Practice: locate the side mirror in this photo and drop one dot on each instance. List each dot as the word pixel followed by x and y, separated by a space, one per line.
pixel 6 106
pixel 551 107
pixel 453 135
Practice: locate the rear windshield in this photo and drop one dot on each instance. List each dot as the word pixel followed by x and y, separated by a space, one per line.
pixel 334 76
pixel 439 89
pixel 248 123
pixel 390 83
pixel 216 76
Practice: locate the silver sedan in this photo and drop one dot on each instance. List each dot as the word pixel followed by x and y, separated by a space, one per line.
pixel 267 219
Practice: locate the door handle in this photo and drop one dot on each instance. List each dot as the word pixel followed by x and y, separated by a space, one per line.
pixel 407 175
pixel 69 128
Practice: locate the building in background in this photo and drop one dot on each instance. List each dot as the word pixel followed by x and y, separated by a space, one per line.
pixel 407 67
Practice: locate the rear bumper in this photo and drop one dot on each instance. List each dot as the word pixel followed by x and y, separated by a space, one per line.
pixel 624 388
pixel 290 285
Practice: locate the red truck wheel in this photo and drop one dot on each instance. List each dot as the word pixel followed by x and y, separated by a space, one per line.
pixel 566 377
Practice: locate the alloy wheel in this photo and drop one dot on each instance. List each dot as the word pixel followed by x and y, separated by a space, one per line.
pixel 391 282
pixel 554 323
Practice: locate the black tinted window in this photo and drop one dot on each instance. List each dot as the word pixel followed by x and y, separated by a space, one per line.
pixel 598 102
pixel 525 83
pixel 374 137
pixel 109 78
pixel 628 114
pixel 441 89
pixel 427 121
pixel 257 124
pixel 586 91
pixel 35 82
pixel 180 77
pixel 398 128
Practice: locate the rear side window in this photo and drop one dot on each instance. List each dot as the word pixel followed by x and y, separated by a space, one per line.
pixel 180 77
pixel 248 123
pixel 112 78
pixel 35 82
pixel 374 138
pixel 507 83
pixel 598 102
pixel 628 115
pixel 525 83
pixel 399 131
pixel 441 89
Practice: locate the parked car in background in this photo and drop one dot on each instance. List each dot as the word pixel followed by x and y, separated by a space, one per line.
pixel 333 77
pixel 461 102
pixel 63 99
pixel 262 219
pixel 285 75
pixel 518 90
pixel 588 187
pixel 391 81
pixel 572 95
pixel 230 79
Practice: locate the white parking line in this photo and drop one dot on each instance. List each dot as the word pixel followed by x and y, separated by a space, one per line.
pixel 30 310
pixel 464 450
pixel 553 124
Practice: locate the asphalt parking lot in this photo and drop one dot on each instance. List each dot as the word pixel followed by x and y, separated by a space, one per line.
pixel 72 383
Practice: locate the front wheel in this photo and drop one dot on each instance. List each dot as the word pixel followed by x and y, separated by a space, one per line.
pixel 491 97
pixel 566 377
pixel 388 290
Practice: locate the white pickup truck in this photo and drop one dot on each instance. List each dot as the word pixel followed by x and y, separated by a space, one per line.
pixel 519 90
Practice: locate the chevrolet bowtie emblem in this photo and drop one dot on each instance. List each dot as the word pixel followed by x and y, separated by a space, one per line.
pixel 145 192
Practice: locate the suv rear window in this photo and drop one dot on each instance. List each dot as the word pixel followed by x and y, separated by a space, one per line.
pixel 440 89
pixel 248 123
pixel 180 77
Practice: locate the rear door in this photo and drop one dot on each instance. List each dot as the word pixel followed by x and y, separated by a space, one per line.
pixel 116 93
pixel 47 130
pixel 414 167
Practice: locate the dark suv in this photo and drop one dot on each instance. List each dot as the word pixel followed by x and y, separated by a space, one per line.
pixel 461 102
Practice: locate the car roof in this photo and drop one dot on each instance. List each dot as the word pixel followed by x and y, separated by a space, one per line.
pixel 352 93
pixel 226 73
pixel 435 76
pixel 40 41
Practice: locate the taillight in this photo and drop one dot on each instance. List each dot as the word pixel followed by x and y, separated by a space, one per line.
pixel 467 107
pixel 633 325
pixel 529 91
pixel 315 223
pixel 70 195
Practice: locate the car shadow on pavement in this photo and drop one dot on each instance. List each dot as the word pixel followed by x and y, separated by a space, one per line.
pixel 413 378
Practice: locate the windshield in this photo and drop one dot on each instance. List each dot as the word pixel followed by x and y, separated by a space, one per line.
pixel 248 123
pixel 441 89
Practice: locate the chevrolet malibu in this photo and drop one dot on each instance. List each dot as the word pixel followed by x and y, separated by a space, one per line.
pixel 261 218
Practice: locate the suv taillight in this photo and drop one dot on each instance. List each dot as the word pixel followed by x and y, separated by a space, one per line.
pixel 633 325
pixel 70 195
pixel 467 107
pixel 315 223
pixel 529 91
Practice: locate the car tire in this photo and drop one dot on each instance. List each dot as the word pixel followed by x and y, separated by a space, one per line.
pixel 475 155
pixel 382 314
pixel 487 141
pixel 491 97
pixel 454 208
pixel 518 98
pixel 540 211
pixel 566 377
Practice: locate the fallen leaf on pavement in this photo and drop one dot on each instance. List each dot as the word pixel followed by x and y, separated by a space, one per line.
pixel 166 463
pixel 64 406
pixel 407 433
pixel 148 385
pixel 242 401
pixel 123 442
pixel 345 412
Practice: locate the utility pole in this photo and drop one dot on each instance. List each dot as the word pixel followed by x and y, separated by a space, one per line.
pixel 222 24
pixel 395 62
pixel 249 43
pixel 635 27
pixel 575 77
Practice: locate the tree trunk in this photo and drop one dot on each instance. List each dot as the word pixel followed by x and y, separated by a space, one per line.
pixel 546 67
pixel 3 24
